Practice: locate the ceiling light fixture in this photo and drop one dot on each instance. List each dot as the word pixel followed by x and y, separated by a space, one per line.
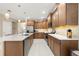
pixel 43 12
pixel 7 15
pixel 19 21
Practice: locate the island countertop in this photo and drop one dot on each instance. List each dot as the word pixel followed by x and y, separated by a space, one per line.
pixel 62 37
pixel 16 37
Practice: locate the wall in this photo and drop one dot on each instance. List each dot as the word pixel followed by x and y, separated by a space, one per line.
pixel 7 28
pixel 78 13
pixel 63 30
pixel 0 26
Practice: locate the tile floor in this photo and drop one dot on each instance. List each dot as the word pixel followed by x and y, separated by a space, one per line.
pixel 40 48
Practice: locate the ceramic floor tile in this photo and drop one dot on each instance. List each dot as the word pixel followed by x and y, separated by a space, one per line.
pixel 40 48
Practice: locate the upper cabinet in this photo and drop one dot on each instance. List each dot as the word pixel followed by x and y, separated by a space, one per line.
pixel 66 14
pixel 49 18
pixel 30 23
pixel 55 20
pixel 72 13
pixel 62 14
pixel 41 24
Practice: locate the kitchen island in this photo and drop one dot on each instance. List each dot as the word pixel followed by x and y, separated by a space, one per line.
pixel 16 45
pixel 61 45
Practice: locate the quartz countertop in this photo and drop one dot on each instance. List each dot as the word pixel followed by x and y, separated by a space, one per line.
pixel 62 37
pixel 16 37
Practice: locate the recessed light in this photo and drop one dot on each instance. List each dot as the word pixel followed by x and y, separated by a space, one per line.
pixel 7 15
pixel 19 21
pixel 43 12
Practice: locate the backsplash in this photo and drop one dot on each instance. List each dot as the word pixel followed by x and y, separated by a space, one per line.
pixel 63 30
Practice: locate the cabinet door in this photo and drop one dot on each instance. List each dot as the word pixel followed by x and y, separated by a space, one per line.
pixel 13 48
pixel 56 47
pixel 51 44
pixel 62 14
pixel 55 21
pixel 72 13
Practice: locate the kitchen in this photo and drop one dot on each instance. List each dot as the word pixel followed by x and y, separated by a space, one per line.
pixel 56 26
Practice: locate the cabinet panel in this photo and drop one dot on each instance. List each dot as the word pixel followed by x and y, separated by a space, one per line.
pixel 13 48
pixel 72 13
pixel 39 35
pixel 55 19
pixel 56 47
pixel 62 14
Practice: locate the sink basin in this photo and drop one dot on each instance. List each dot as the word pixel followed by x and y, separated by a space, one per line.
pixel 25 34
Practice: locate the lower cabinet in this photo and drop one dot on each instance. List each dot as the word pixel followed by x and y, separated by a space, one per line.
pixel 56 47
pixel 18 48
pixel 39 35
pixel 62 47
pixel 13 48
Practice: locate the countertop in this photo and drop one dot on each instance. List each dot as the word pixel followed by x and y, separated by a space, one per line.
pixel 16 37
pixel 76 52
pixel 62 37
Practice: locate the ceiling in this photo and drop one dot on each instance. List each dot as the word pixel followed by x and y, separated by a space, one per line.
pixel 26 10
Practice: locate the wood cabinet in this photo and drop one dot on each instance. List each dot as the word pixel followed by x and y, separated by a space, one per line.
pixel 18 48
pixel 13 48
pixel 41 24
pixel 66 14
pixel 39 35
pixel 62 47
pixel 62 14
pixel 72 13
pixel 49 18
pixel 55 19
pixel 30 23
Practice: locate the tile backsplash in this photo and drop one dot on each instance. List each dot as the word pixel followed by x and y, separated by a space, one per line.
pixel 63 30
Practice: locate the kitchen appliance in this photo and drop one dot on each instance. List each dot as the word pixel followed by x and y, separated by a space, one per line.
pixel 69 33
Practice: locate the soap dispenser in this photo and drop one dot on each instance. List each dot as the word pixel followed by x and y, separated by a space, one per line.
pixel 69 33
